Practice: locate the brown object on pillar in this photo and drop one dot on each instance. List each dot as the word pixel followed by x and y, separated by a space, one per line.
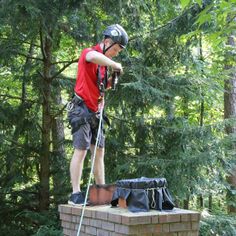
pixel 122 203
pixel 101 194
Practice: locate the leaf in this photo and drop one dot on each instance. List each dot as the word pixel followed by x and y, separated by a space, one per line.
pixel 203 18
pixel 199 2
pixel 184 3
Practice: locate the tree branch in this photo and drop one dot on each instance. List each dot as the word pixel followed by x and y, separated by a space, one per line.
pixel 30 57
pixel 59 112
pixel 62 62
pixel 17 98
pixel 63 68
pixel 21 41
pixel 166 24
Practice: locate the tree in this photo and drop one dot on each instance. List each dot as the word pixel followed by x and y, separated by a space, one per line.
pixel 230 113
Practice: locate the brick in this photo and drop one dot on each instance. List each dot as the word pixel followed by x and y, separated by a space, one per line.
pixel 101 232
pixel 165 228
pixel 115 234
pixel 96 223
pixel 85 221
pixel 195 233
pixel 176 227
pixel 91 230
pixel 82 229
pixel 65 209
pixel 72 226
pixel 65 224
pixel 69 232
pixel 76 211
pixel 66 231
pixel 102 215
pixel 84 234
pixel 88 213
pixel 65 217
pixel 114 218
pixel 136 220
pixel 169 218
pixel 195 225
pixel 75 219
pixel 93 214
pixel 158 228
pixel 142 229
pixel 155 219
pixel 195 217
pixel 108 226
pixel 165 234
pixel 185 217
pixel 123 229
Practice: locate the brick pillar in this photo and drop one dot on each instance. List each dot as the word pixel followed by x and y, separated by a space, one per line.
pixel 107 221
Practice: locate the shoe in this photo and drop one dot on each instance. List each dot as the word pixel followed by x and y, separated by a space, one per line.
pixel 77 199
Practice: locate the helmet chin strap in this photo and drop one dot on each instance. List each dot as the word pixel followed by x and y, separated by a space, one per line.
pixel 106 49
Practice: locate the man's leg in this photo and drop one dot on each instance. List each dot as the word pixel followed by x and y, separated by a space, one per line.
pixel 76 167
pixel 99 173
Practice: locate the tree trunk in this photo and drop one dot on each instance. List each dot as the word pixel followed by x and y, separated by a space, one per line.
pixel 210 202
pixel 230 112
pixel 201 201
pixel 186 203
pixel 202 108
pixel 46 127
pixel 45 154
pixel 58 163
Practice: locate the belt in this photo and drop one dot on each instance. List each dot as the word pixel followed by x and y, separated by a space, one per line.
pixel 80 98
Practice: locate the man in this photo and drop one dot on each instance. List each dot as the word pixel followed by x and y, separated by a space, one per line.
pixel 88 101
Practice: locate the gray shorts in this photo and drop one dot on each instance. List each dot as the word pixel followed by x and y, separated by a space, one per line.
pixel 87 132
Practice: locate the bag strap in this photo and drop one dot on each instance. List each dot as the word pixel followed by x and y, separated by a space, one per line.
pixel 102 84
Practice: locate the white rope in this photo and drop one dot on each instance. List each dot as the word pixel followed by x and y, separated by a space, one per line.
pixel 153 203
pixel 91 172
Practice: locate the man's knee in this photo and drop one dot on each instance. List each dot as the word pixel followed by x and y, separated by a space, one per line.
pixel 100 152
pixel 79 154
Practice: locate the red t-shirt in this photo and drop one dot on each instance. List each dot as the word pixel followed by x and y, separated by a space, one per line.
pixel 86 85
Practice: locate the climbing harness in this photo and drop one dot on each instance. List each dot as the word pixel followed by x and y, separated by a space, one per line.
pixel 77 106
pixel 102 84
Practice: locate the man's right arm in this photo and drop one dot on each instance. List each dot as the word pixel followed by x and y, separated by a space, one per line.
pixel 100 59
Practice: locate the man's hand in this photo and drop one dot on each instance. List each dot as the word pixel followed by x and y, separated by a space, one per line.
pixel 117 67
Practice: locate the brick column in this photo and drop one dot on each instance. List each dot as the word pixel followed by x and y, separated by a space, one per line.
pixel 107 221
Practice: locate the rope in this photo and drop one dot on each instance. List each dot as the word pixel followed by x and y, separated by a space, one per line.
pixel 91 172
pixel 153 203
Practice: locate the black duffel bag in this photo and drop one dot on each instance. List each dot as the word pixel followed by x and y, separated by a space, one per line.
pixel 143 194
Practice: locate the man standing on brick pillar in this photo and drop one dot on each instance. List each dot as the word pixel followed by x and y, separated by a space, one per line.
pixel 84 109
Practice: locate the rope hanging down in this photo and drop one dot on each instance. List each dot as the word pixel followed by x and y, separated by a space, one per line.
pixel 91 171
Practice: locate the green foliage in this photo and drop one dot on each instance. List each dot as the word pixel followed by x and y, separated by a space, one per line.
pixel 218 225
pixel 48 231
pixel 27 222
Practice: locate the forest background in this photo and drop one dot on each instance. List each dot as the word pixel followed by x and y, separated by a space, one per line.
pixel 173 112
